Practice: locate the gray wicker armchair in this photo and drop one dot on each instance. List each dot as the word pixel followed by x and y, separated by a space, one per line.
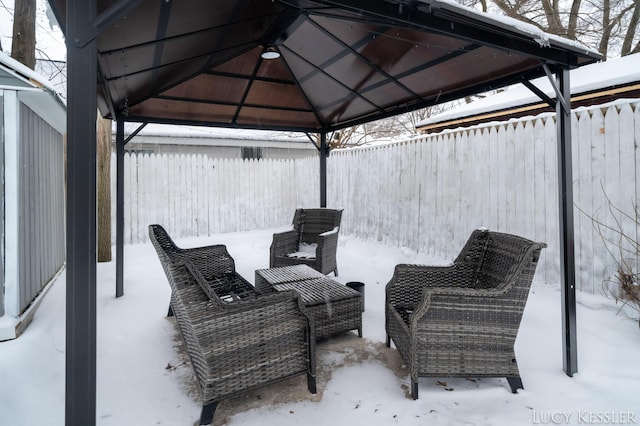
pixel 313 241
pixel 236 338
pixel 462 320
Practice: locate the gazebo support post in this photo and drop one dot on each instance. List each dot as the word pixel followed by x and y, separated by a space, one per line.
pixel 80 372
pixel 121 142
pixel 324 153
pixel 567 249
pixel 119 207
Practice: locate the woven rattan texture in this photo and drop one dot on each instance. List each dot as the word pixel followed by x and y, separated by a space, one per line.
pixel 312 226
pixel 238 345
pixel 463 319
pixel 334 307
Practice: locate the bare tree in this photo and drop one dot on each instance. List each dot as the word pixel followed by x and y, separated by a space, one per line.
pixel 617 231
pixel 628 47
pixel 104 189
pixel 610 26
pixel 23 49
pixel 23 45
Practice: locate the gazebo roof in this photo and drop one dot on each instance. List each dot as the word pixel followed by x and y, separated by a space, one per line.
pixel 593 84
pixel 341 63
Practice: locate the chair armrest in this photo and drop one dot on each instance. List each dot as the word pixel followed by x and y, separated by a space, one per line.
pixel 334 231
pixel 327 243
pixel 202 251
pixel 283 243
pixel 204 314
pixel 242 327
pixel 211 261
pixel 472 307
pixel 409 281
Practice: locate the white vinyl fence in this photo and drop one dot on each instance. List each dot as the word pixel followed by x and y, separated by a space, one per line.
pixel 193 195
pixel 427 194
pixel 430 193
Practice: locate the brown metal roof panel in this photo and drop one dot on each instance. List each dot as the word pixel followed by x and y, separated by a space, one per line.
pixel 259 13
pixel 206 87
pixel 327 94
pixel 275 69
pixel 132 88
pixel 241 65
pixel 128 31
pixel 354 73
pixel 258 117
pixel 389 93
pixel 181 110
pixel 410 56
pixel 471 69
pixel 315 45
pixel 320 87
pixel 126 62
pixel 276 95
pixel 347 108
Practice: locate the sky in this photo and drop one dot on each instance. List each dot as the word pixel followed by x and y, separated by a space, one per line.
pixel 144 377
pixel 49 39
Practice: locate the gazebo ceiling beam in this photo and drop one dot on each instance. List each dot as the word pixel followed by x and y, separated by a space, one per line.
pixel 431 17
pixel 158 48
pixel 223 103
pixel 221 124
pixel 245 76
pixel 95 27
pixel 184 35
pixel 236 49
pixel 435 100
pixel 342 54
pixel 352 50
pixel 329 76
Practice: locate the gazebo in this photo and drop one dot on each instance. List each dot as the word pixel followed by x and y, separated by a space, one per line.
pixel 314 66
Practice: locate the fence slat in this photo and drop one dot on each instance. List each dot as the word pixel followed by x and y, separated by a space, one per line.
pixel 426 194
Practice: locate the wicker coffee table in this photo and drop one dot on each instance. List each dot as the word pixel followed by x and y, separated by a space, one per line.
pixel 334 307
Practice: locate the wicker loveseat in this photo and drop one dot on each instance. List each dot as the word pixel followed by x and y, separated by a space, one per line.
pixel 313 241
pixel 236 338
pixel 462 320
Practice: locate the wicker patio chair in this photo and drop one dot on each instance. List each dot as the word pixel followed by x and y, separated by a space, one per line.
pixel 462 320
pixel 313 241
pixel 236 338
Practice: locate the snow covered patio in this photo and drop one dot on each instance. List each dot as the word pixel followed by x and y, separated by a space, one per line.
pixel 144 377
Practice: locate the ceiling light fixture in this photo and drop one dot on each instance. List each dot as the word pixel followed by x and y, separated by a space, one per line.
pixel 270 53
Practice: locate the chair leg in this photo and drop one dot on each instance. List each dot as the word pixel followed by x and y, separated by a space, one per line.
pixel 170 311
pixel 208 410
pixel 311 383
pixel 388 341
pixel 515 383
pixel 335 271
pixel 414 389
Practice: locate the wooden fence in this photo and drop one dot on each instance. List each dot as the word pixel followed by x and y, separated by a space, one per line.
pixel 430 193
pixel 427 194
pixel 194 195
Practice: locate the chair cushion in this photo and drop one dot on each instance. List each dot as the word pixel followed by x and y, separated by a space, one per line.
pixel 305 251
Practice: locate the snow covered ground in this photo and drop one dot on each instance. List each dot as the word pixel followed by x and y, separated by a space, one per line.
pixel 142 377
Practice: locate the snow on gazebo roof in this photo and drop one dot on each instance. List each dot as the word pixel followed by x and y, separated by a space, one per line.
pixel 589 85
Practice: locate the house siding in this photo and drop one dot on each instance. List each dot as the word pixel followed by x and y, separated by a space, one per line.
pixel 41 224
pixel 2 247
